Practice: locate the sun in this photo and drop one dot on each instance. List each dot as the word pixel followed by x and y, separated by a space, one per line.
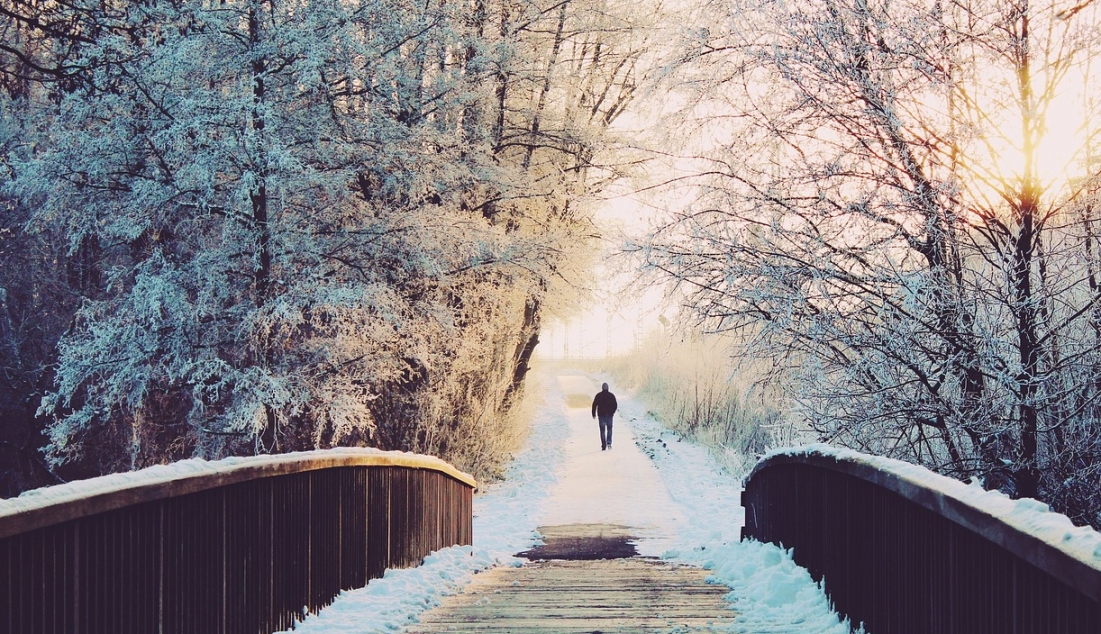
pixel 1042 141
pixel 1062 148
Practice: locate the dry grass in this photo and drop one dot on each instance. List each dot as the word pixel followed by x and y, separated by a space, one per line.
pixel 579 401
pixel 695 388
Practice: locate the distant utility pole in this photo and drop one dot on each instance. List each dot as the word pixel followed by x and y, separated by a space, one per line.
pixel 607 335
pixel 581 339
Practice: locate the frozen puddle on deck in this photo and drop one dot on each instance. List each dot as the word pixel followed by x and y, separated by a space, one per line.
pixel 579 542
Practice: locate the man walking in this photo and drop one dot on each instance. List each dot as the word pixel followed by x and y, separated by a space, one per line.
pixel 604 407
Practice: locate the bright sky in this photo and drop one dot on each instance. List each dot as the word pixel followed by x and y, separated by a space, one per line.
pixel 616 319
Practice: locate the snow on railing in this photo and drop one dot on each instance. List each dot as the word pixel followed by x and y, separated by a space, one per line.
pixel 903 549
pixel 241 545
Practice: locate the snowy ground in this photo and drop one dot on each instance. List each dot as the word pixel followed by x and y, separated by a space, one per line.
pixel 620 486
pixel 682 505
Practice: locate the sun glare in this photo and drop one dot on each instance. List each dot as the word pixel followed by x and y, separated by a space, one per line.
pixel 1063 148
pixel 1063 106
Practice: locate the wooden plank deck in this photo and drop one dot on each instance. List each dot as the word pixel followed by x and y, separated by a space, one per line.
pixel 577 595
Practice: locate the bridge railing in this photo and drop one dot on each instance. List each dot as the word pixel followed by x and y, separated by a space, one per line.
pixel 903 550
pixel 238 546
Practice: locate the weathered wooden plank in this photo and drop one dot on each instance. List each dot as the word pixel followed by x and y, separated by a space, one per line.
pixel 587 624
pixel 628 608
pixel 568 597
pixel 554 627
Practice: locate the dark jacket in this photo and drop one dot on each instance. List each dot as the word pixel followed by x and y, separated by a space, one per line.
pixel 604 404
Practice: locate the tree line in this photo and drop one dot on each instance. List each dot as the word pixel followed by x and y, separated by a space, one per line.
pixel 250 226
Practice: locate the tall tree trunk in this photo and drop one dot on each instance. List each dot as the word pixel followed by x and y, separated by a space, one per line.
pixel 472 112
pixel 529 338
pixel 501 89
pixel 533 133
pixel 1028 348
pixel 1024 247
pixel 259 198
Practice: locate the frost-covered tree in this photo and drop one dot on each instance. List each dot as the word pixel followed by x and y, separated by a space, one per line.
pixel 40 285
pixel 210 159
pixel 298 223
pixel 864 220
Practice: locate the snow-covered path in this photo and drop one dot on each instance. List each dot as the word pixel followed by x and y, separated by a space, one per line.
pixel 620 486
pixel 683 507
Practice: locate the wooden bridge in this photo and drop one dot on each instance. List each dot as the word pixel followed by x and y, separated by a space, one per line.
pixel 248 546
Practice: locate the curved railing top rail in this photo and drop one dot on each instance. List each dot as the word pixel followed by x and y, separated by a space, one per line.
pixel 56 504
pixel 1025 527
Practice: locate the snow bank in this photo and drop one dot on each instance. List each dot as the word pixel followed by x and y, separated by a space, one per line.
pixel 1027 515
pixel 506 516
pixel 770 593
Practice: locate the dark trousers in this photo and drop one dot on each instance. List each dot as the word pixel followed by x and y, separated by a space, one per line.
pixel 605 430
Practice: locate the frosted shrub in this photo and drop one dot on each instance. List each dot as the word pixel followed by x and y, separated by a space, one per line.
pixel 695 388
